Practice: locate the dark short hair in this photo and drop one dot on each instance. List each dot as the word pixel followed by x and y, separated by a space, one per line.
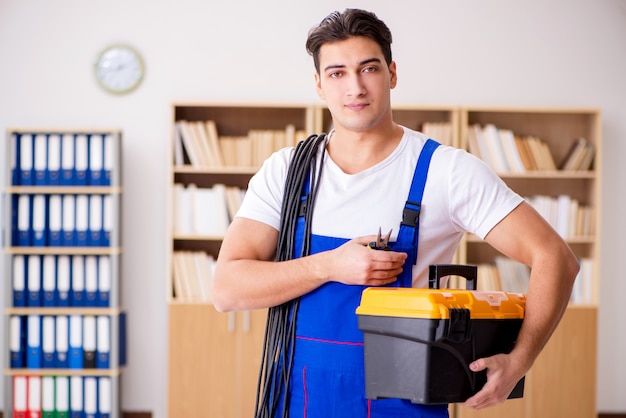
pixel 339 26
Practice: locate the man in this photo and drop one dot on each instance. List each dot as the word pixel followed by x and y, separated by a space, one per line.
pixel 359 182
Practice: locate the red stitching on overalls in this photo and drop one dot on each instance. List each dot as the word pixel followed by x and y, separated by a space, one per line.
pixel 320 340
pixel 369 408
pixel 306 393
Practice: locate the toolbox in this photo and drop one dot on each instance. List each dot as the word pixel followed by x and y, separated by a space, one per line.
pixel 419 342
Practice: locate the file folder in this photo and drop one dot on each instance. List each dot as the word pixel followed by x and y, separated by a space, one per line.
pixel 103 348
pixel 89 342
pixel 47 342
pixel 91 280
pixel 104 281
pixel 40 159
pixel 18 275
pixel 62 342
pixel 67 160
pixel 109 158
pixel 107 220
pixel 69 224
pixel 75 360
pixel 24 233
pixel 26 159
pixel 15 205
pixel 15 160
pixel 78 280
pixel 122 340
pixel 82 219
pixel 62 396
pixel 90 397
pixel 47 397
pixel 105 402
pixel 34 280
pixel 33 355
pixel 48 282
pixel 20 397
pixel 34 396
pixel 39 220
pixel 55 220
pixel 81 159
pixel 63 280
pixel 96 159
pixel 95 220
pixel 76 397
pixel 17 341
pixel 54 160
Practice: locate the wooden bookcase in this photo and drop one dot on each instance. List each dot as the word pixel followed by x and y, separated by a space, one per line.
pixel 43 289
pixel 562 381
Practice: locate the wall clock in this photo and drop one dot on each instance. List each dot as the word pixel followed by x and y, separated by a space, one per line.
pixel 119 69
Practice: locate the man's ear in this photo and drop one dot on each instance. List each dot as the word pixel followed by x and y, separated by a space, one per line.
pixel 393 75
pixel 318 86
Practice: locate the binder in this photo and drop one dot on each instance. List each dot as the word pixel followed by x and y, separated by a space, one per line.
pixel 47 397
pixel 96 159
pixel 24 233
pixel 76 397
pixel 67 160
pixel 104 281
pixel 34 397
pixel 91 280
pixel 47 342
pixel 62 341
pixel 18 276
pixel 122 340
pixel 81 160
pixel 15 160
pixel 54 160
pixel 39 220
pixel 95 220
pixel 75 360
pixel 105 402
pixel 62 396
pixel 40 159
pixel 103 347
pixel 63 280
pixel 34 280
pixel 17 341
pixel 48 281
pixel 107 220
pixel 82 219
pixel 69 226
pixel 26 159
pixel 33 355
pixel 20 396
pixel 109 159
pixel 78 280
pixel 89 342
pixel 90 397
pixel 15 234
pixel 55 220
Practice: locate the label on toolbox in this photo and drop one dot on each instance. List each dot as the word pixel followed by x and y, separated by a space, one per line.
pixel 435 303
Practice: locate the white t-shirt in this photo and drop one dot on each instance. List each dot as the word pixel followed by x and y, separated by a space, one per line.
pixel 461 194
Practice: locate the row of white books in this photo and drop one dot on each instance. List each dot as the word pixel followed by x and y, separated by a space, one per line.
pixel 511 276
pixel 205 211
pixel 193 275
pixel 197 143
pixel 565 214
pixel 439 131
pixel 507 152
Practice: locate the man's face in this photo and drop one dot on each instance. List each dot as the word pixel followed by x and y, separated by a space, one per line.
pixel 355 82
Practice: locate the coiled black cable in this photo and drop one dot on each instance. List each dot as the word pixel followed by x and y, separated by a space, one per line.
pixel 279 341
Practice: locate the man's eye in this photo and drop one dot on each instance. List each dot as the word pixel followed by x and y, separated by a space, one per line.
pixel 370 69
pixel 336 74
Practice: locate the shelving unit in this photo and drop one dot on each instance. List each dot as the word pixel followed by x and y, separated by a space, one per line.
pixel 562 381
pixel 66 330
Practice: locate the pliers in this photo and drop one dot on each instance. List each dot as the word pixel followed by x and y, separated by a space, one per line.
pixel 381 242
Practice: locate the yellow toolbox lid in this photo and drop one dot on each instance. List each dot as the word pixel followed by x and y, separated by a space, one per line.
pixel 435 303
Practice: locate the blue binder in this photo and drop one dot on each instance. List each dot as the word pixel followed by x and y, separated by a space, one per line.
pixel 47 342
pixel 62 342
pixel 103 349
pixel 26 146
pixel 78 281
pixel 40 159
pixel 64 280
pixel 75 360
pixel 15 159
pixel 76 397
pixel 95 220
pixel 89 342
pixel 33 274
pixel 55 220
pixel 24 216
pixel 110 147
pixel 39 221
pixel 69 220
pixel 33 355
pixel 104 281
pixel 67 160
pixel 18 276
pixel 17 343
pixel 91 280
pixel 54 160
pixel 96 160
pixel 81 159
pixel 82 220
pixel 48 281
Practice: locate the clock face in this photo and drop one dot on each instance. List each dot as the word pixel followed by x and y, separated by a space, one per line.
pixel 119 69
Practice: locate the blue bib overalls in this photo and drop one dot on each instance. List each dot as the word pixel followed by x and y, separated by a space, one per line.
pixel 327 379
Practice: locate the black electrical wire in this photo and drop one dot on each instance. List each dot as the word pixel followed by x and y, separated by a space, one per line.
pixel 279 341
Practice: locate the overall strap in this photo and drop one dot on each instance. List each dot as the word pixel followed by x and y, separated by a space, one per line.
pixel 409 227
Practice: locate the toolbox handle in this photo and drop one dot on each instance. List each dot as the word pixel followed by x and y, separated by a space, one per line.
pixel 437 271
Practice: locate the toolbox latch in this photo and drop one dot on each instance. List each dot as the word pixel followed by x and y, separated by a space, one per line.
pixel 460 325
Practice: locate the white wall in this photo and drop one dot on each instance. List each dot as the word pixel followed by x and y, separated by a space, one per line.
pixel 535 52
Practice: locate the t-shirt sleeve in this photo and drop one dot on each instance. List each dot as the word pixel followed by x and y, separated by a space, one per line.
pixel 481 198
pixel 264 196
